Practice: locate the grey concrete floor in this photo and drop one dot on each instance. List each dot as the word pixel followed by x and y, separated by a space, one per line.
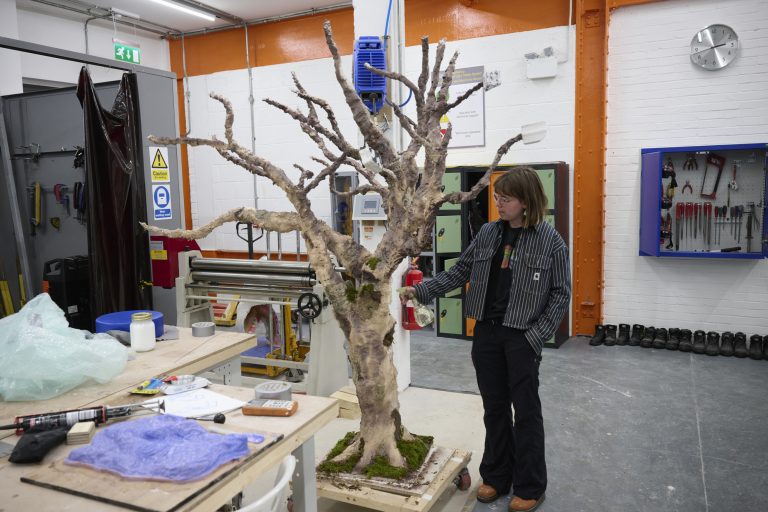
pixel 628 429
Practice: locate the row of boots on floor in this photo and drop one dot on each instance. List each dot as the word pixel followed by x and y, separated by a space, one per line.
pixel 698 342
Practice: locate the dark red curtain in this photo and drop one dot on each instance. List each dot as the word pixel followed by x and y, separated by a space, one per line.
pixel 118 248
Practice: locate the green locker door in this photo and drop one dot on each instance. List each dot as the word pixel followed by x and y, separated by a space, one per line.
pixel 547 177
pixel 450 316
pixel 448 231
pixel 451 183
pixel 447 265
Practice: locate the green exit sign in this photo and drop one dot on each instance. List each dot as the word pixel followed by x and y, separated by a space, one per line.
pixel 127 53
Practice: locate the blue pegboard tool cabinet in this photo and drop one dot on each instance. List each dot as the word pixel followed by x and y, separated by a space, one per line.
pixel 704 202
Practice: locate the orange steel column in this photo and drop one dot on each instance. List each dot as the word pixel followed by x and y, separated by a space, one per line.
pixel 589 165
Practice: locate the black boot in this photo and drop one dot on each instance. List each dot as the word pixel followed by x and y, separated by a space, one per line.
pixel 674 339
pixel 765 348
pixel 599 336
pixel 637 335
pixel 647 341
pixel 660 340
pixel 756 347
pixel 685 341
pixel 713 344
pixel 623 337
pixel 726 344
pixel 699 343
pixel 610 335
pixel 740 345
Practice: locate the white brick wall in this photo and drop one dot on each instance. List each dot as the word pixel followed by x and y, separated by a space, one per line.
pixel 657 98
pixel 217 185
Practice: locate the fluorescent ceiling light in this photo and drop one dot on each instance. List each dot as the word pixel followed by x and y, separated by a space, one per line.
pixel 187 10
pixel 121 12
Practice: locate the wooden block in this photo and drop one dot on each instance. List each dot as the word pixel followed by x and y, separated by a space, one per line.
pixel 349 406
pixel 81 433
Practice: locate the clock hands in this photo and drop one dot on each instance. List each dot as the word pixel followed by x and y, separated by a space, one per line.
pixel 711 48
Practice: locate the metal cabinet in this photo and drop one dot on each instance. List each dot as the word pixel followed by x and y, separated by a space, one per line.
pixel 451 183
pixel 448 234
pixel 450 316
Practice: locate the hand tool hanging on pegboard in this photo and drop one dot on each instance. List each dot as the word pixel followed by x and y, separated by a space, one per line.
pixel 35 206
pixel 679 209
pixel 751 219
pixel 708 222
pixel 6 304
pixel 690 162
pixel 739 215
pixel 718 162
pixel 60 193
pixel 22 289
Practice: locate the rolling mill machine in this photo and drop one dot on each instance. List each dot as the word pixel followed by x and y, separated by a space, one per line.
pixel 268 285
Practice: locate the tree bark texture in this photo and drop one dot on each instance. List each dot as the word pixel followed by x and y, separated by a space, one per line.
pixel 411 197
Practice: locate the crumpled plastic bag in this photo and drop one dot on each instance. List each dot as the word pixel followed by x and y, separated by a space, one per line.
pixel 42 357
pixel 166 447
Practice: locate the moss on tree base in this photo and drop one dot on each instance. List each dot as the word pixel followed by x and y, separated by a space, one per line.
pixel 414 452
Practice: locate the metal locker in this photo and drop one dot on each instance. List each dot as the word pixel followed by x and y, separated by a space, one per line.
pixel 447 265
pixel 547 177
pixel 448 230
pixel 450 316
pixel 451 183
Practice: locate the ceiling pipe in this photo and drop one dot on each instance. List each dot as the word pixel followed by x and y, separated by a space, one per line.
pixel 88 10
pixel 271 19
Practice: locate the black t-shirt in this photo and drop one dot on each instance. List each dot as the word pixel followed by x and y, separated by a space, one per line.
pixel 500 278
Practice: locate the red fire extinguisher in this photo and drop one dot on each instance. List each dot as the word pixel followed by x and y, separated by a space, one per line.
pixel 413 277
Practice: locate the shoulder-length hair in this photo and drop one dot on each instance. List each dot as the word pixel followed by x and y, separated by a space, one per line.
pixel 524 184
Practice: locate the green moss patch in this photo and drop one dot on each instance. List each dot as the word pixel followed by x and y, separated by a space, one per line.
pixel 415 452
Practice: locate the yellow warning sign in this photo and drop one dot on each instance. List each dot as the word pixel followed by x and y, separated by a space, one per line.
pixel 160 175
pixel 159 170
pixel 159 162
pixel 158 254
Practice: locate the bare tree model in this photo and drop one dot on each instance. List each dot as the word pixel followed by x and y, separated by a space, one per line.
pixel 411 197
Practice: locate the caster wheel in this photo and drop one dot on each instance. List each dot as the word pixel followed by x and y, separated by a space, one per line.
pixel 463 480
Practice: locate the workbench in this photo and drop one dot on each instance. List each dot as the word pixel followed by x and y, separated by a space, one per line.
pixel 108 492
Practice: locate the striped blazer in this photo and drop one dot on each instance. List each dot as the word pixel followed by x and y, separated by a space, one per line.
pixel 541 280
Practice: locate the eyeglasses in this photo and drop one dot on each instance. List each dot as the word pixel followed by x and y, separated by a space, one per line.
pixel 502 200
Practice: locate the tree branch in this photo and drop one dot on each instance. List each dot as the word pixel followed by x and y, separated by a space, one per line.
pixel 330 169
pixel 462 98
pixel 282 222
pixel 460 197
pixel 392 75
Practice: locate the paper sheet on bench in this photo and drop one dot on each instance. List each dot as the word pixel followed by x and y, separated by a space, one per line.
pixel 199 402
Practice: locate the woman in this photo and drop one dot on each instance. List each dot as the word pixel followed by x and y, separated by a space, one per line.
pixel 520 286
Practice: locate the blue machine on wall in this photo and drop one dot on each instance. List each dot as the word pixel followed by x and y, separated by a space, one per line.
pixel 371 88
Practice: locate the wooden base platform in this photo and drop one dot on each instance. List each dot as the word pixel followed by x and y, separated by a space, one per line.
pixel 392 500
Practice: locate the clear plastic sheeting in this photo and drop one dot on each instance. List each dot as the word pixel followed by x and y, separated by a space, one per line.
pixel 166 448
pixel 42 357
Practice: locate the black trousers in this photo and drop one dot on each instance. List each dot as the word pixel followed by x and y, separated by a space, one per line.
pixel 508 375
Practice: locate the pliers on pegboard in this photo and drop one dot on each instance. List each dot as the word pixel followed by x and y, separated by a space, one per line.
pixel 688 186
pixel 690 162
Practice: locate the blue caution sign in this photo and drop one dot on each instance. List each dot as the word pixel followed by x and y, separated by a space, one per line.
pixel 161 202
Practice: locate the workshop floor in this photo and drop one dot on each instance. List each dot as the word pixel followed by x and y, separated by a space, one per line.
pixel 628 429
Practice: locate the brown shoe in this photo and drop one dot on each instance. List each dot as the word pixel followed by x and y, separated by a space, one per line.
pixel 520 505
pixel 486 494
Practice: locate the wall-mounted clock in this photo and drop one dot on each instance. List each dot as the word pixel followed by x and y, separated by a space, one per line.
pixel 714 47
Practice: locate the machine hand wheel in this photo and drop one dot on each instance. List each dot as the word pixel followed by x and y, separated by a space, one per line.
pixel 463 481
pixel 309 305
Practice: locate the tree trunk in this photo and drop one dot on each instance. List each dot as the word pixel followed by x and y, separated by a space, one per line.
pixel 371 328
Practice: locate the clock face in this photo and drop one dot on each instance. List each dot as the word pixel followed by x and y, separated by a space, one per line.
pixel 714 47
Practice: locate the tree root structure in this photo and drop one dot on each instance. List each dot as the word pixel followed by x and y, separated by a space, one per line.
pixel 344 457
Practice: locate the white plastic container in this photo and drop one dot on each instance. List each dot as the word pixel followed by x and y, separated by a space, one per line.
pixel 142 332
